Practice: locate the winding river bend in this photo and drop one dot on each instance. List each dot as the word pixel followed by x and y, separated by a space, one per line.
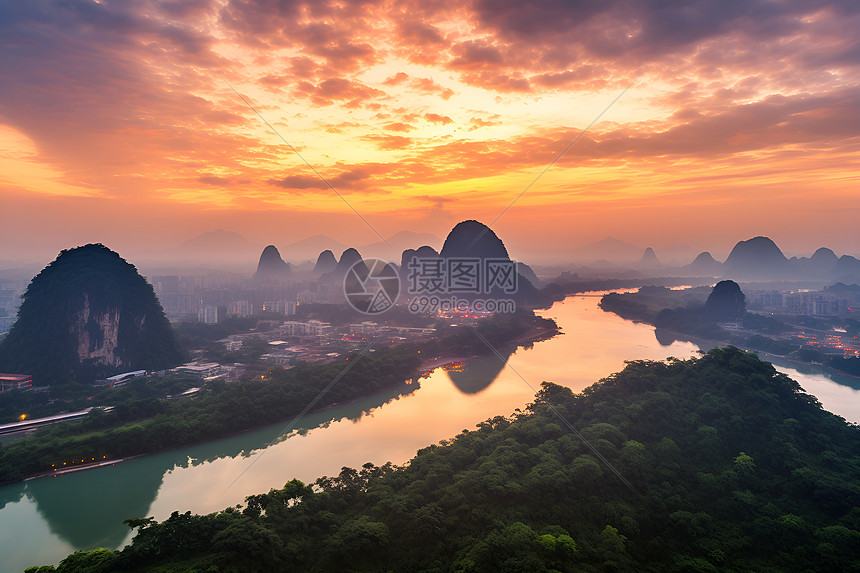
pixel 43 520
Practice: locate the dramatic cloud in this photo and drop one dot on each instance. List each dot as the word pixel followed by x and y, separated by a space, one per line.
pixel 343 181
pixel 452 105
pixel 436 118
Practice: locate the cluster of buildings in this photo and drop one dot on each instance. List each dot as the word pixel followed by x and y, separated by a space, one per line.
pixel 799 302
pixel 208 371
pixel 15 382
pixel 211 298
pixel 835 345
pixel 313 340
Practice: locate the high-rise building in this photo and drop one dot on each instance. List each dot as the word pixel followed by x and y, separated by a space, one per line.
pixel 208 314
pixel 241 308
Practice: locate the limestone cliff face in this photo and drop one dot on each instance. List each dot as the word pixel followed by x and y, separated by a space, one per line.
pixel 97 334
pixel 88 314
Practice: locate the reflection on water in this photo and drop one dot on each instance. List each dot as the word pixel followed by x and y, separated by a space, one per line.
pixel 11 494
pixel 664 337
pixel 477 374
pixel 86 508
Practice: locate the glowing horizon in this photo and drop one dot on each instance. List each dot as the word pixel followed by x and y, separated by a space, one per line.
pixel 118 123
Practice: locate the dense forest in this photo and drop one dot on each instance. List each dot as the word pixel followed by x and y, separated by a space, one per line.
pixel 143 421
pixel 718 463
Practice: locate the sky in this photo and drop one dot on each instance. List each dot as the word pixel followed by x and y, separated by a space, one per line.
pixel 143 124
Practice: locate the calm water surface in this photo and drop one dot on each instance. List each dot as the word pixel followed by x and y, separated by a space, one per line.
pixel 43 520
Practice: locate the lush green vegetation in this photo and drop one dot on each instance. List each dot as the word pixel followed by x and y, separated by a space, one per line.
pixel 143 421
pixel 770 345
pixel 563 287
pixel 146 423
pixel 647 302
pixel 75 397
pixel 68 298
pixel 731 467
pixel 763 323
pixel 681 311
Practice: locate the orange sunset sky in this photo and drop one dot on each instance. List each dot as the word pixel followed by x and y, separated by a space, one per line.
pixel 118 123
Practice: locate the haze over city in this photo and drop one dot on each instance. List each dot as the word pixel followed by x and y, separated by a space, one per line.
pixel 118 123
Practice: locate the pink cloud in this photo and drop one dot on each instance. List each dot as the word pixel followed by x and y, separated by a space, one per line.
pixel 436 118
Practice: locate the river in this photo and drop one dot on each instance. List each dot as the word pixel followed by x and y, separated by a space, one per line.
pixel 43 520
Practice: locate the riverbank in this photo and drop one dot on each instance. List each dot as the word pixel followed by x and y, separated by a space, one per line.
pixel 79 468
pixel 526 339
pixel 685 324
pixel 217 414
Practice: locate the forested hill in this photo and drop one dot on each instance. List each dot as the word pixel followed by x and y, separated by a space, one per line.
pixel 734 469
pixel 86 315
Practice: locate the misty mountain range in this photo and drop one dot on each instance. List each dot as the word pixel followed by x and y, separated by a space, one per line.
pixel 231 244
pixel 468 239
pixel 758 258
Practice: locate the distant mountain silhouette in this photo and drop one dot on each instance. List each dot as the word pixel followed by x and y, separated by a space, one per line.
pixel 726 302
pixel 347 259
pixel 649 259
pixel 821 263
pixel 824 258
pixel 310 247
pixel 756 258
pixel 326 262
pixel 846 268
pixel 610 249
pixel 472 239
pixel 88 314
pixel 704 265
pixel 841 289
pixel 423 252
pixel 271 266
